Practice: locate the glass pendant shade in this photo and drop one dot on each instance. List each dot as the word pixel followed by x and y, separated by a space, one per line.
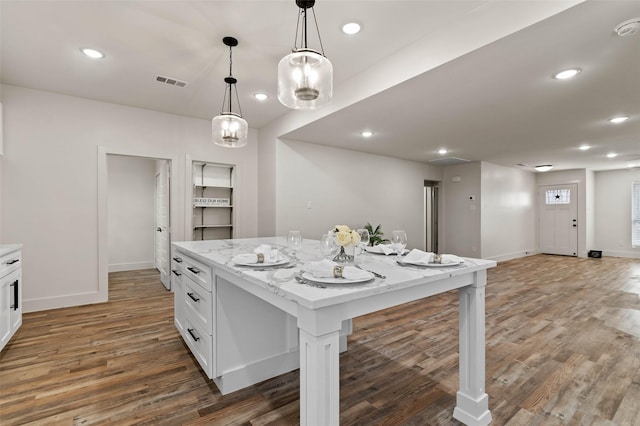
pixel 229 130
pixel 305 80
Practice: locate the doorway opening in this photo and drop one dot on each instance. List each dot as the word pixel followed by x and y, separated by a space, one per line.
pixel 431 215
pixel 138 214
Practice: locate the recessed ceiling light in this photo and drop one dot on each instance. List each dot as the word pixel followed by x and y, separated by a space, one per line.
pixel 584 147
pixel 618 120
pixel 566 74
pixel 92 53
pixel 612 155
pixel 351 28
pixel 442 151
pixel 628 28
pixel 366 133
pixel 260 96
pixel 543 167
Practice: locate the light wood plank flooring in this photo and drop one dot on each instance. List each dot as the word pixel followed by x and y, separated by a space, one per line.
pixel 563 348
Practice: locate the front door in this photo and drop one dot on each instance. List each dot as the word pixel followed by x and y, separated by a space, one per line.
pixel 558 219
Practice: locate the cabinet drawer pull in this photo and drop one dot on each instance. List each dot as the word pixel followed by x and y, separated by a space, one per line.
pixel 194 270
pixel 177 259
pixel 190 330
pixel 11 262
pixel 176 273
pixel 195 299
pixel 15 295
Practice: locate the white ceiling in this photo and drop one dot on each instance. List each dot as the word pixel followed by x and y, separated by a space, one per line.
pixel 497 102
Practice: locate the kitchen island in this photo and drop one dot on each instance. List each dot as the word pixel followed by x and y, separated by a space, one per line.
pixel 245 324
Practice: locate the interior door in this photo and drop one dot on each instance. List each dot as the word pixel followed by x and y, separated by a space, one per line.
pixel 163 238
pixel 558 219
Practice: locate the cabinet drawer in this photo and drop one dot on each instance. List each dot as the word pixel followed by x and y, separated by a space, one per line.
pixel 200 343
pixel 198 303
pixel 197 271
pixel 10 262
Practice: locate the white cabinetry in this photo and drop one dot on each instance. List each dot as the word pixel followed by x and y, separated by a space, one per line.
pixel 212 314
pixel 10 292
pixel 212 201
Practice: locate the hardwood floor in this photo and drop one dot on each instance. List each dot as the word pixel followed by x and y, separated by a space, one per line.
pixel 563 348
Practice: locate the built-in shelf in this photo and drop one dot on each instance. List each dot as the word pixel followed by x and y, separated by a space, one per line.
pixel 212 201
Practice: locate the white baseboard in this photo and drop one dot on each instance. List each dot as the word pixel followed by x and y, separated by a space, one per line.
pixel 622 253
pixel 514 255
pixel 65 301
pixel 134 266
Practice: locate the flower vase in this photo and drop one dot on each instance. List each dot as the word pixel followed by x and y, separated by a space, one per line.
pixel 343 257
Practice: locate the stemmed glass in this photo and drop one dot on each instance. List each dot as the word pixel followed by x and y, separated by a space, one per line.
pixel 294 241
pixel 399 241
pixel 328 245
pixel 364 239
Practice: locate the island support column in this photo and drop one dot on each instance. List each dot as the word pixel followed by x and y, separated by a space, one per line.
pixel 472 403
pixel 319 368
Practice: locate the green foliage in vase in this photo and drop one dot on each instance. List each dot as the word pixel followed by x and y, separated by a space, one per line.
pixel 375 235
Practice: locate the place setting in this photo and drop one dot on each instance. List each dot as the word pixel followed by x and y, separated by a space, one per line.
pixel 264 257
pixel 424 259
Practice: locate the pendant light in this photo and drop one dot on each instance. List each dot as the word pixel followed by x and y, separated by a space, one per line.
pixel 305 76
pixel 229 129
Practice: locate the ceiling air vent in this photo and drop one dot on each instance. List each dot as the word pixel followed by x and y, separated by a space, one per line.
pixel 171 81
pixel 448 161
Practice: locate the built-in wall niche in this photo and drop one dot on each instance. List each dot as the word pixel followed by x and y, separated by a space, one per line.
pixel 212 201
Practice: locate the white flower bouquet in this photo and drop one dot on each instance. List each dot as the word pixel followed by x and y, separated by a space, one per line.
pixel 345 237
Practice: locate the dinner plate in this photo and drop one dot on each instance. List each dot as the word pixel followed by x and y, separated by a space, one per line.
pixel 378 250
pixel 332 280
pixel 429 265
pixel 281 261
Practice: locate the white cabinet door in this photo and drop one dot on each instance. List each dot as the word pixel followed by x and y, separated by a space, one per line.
pixel 558 219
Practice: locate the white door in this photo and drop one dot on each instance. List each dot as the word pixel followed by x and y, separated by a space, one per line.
pixel 162 240
pixel 558 219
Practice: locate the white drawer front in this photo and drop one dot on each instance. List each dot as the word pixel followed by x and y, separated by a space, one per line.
pixel 10 262
pixel 200 344
pixel 198 272
pixel 199 304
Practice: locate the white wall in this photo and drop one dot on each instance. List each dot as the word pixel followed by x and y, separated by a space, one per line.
pixel 460 219
pixel 130 217
pixel 508 228
pixel 349 188
pixel 55 158
pixel 579 177
pixel 613 212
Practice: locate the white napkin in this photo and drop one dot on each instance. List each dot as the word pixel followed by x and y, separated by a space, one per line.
pixel 419 257
pixel 387 249
pixel 327 269
pixel 450 258
pixel 270 255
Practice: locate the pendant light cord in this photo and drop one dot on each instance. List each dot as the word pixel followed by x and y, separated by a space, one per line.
pixel 303 34
pixel 228 90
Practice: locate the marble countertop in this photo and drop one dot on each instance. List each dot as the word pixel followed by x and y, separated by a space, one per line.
pixel 9 248
pixel 280 280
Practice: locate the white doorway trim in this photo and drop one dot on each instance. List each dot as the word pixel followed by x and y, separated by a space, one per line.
pixel 103 188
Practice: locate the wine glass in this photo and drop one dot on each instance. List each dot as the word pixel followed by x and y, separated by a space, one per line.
pixel 399 241
pixel 364 239
pixel 294 241
pixel 328 245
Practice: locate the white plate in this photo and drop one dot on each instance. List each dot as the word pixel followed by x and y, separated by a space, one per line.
pixel 378 250
pixel 331 280
pixel 431 265
pixel 281 261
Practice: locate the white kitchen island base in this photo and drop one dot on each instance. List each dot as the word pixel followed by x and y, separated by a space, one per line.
pixel 250 324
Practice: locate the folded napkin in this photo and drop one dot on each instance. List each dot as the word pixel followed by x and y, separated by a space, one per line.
pixel 329 269
pixel 387 249
pixel 262 254
pixel 420 257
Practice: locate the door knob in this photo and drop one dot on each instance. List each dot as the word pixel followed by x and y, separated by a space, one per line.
pixel 159 229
